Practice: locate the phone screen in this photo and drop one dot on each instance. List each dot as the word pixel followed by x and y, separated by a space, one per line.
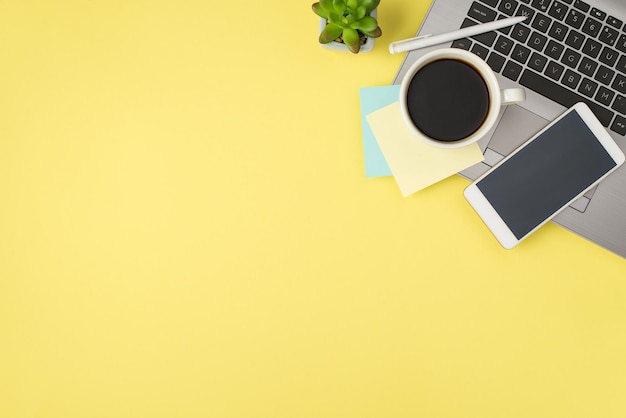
pixel 546 174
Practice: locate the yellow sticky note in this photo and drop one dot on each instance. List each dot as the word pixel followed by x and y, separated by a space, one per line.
pixel 413 163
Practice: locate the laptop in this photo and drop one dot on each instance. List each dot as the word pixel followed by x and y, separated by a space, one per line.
pixel 566 51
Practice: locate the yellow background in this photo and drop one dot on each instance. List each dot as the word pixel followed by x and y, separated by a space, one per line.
pixel 186 231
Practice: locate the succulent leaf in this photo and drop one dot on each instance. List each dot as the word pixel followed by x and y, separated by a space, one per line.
pixel 369 4
pixel 376 33
pixel 351 39
pixel 327 5
pixel 360 12
pixel 339 6
pixel 367 24
pixel 330 33
pixel 337 19
pixel 319 10
pixel 352 4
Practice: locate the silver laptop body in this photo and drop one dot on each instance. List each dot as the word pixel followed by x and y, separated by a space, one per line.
pixel 599 216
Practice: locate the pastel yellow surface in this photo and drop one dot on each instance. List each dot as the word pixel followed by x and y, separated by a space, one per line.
pixel 186 231
pixel 415 164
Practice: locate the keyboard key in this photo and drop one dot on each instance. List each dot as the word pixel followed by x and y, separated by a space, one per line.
pixel 541 22
pixel 588 87
pixel 608 35
pixel 487 38
pixel 496 61
pixel 554 70
pixel 581 5
pixel 462 44
pixel 619 104
pixel 604 96
pixel 608 56
pixel 537 62
pixel 558 31
pixel 621 64
pixel 554 50
pixel 482 13
pixel 537 41
pixel 541 5
pixel 575 19
pixel 520 33
pixel 619 83
pixel 558 10
pixel 561 95
pixel 619 125
pixel 615 22
pixel 520 54
pixel 592 27
pixel 480 50
pixel 508 7
pixel 524 10
pixel 571 58
pixel 467 23
pixel 621 44
pixel 503 45
pixel 512 70
pixel 575 39
pixel 571 79
pixel 492 3
pixel 592 48
pixel 598 14
pixel 588 66
pixel 604 75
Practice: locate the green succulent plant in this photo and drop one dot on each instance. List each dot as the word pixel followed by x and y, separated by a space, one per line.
pixel 347 19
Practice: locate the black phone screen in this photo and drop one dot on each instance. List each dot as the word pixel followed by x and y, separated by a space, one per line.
pixel 546 174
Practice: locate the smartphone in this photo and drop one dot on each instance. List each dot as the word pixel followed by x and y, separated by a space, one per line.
pixel 544 175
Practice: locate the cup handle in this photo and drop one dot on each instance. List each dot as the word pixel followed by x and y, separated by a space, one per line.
pixel 512 96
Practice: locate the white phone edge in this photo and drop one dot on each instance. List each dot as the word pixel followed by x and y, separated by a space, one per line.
pixel 490 216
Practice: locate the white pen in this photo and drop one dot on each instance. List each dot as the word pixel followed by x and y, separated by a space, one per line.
pixel 430 40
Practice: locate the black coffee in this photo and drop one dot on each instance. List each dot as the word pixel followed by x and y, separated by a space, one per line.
pixel 448 100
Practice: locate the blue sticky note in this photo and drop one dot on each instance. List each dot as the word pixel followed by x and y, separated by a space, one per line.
pixel 372 99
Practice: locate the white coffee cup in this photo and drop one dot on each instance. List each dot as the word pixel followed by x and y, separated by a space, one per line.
pixel 459 97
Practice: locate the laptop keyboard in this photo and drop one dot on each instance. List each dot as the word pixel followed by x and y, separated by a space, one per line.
pixel 565 50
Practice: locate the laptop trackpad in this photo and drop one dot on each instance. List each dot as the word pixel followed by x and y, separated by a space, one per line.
pixel 517 126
